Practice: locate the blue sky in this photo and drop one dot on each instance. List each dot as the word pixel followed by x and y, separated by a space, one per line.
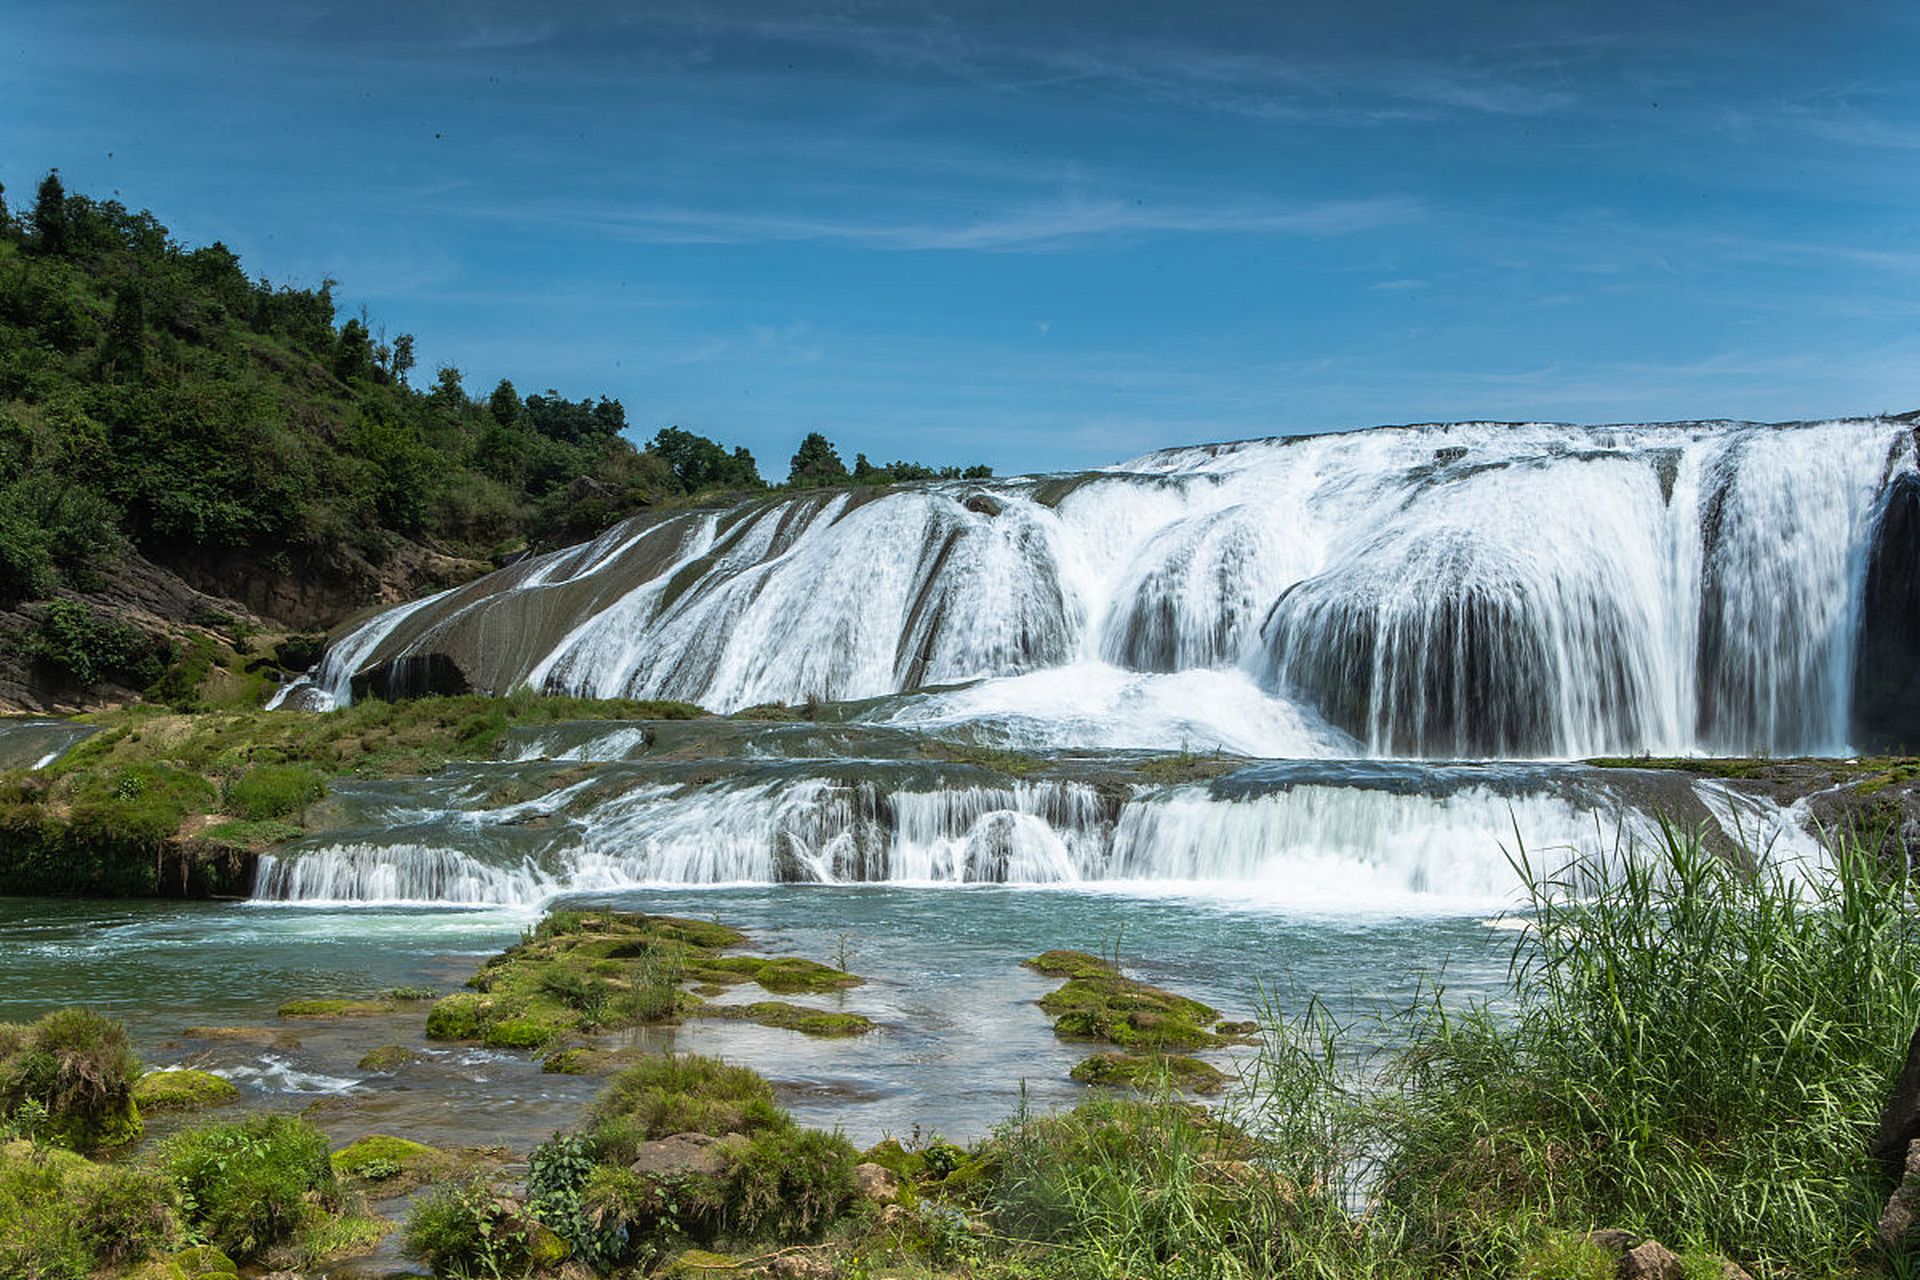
pixel 1041 235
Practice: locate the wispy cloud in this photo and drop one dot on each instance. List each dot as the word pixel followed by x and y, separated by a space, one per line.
pixel 1040 227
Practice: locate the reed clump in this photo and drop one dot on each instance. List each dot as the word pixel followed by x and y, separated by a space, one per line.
pixel 1690 1048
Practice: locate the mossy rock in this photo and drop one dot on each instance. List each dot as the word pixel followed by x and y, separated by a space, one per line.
pixel 458 1017
pixel 390 1165
pixel 184 1089
pixel 782 975
pixel 160 1269
pixel 1150 1072
pixel 332 1007
pixel 702 1264
pixel 521 1033
pixel 791 1017
pixel 388 1058
pixel 275 1037
pixel 1107 1006
pixel 585 1060
pixel 583 972
pixel 1568 1255
pixel 204 1262
pixel 1069 964
pixel 889 1154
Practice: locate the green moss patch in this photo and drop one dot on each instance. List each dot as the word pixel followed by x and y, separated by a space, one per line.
pixel 790 1017
pixel 331 1007
pixel 582 972
pixel 1068 964
pixel 390 1166
pixel 782 975
pixel 1100 1003
pixel 387 1058
pixel 1150 1072
pixel 182 1090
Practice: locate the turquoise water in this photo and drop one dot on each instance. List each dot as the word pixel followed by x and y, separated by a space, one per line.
pixel 959 1035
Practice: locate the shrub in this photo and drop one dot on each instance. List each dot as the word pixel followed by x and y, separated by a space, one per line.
pixel 64 1218
pixel 275 791
pixel 247 1184
pixel 787 1184
pixel 90 649
pixel 469 1232
pixel 78 1066
pixel 299 652
pixel 680 1094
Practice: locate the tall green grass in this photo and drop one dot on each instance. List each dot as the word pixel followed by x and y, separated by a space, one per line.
pixel 1690 1046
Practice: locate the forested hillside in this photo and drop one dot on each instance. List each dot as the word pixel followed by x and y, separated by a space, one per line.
pixel 177 437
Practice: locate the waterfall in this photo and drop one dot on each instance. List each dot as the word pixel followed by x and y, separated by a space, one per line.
pixel 1467 590
pixel 1308 835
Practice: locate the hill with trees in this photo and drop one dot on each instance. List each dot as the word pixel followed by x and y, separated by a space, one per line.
pixel 182 445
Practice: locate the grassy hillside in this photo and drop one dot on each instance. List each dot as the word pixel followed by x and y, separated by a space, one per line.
pixel 160 409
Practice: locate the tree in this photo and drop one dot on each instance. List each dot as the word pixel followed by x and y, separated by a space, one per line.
pixel 50 226
pixel 699 463
pixel 353 354
pixel 817 463
pixel 447 389
pixel 504 404
pixel 6 223
pixel 125 349
pixel 402 357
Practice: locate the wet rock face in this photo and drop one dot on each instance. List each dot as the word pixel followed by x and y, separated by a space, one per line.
pixel 414 675
pixel 1886 686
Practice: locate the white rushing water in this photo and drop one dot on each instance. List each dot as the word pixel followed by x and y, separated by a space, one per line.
pixel 1448 591
pixel 1397 842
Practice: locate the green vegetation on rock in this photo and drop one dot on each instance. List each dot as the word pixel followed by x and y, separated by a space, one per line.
pixel 1099 1003
pixel 70 1078
pixel 790 1017
pixel 63 1217
pixel 676 1151
pixel 252 1184
pixel 390 1165
pixel 582 972
pixel 335 1007
pixel 182 1089
pixel 1150 1072
pixel 158 802
pixel 387 1058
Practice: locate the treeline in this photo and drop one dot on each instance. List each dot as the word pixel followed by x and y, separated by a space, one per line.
pixel 154 395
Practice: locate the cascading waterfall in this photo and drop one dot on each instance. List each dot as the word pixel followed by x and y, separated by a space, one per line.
pixel 1414 836
pixel 1451 591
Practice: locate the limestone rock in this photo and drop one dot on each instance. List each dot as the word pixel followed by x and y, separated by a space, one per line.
pixel 800 1266
pixel 876 1183
pixel 1902 1214
pixel 1651 1260
pixel 1614 1241
pixel 678 1154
